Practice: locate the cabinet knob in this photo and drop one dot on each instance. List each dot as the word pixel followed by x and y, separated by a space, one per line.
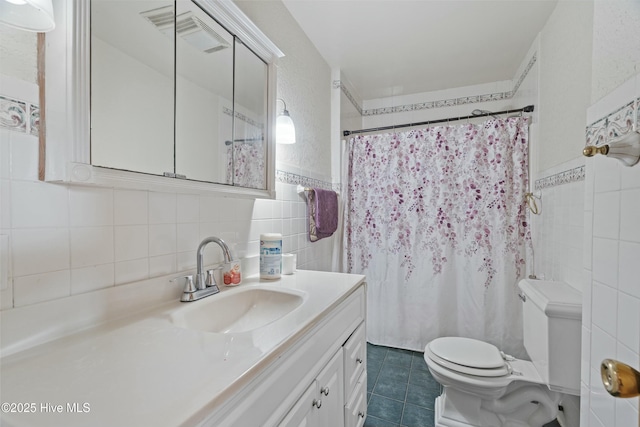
pixel 317 403
pixel 361 414
pixel 325 391
pixel 359 360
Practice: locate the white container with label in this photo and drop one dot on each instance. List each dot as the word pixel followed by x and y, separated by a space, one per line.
pixel 270 256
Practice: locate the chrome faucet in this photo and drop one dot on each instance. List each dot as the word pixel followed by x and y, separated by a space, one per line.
pixel 205 283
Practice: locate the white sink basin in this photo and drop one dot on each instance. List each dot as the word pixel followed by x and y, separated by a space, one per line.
pixel 237 310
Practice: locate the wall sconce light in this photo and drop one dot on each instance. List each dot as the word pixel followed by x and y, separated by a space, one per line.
pixel 28 15
pixel 285 129
pixel 626 149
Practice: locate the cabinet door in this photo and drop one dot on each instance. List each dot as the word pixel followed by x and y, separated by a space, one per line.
pixel 304 412
pixel 331 392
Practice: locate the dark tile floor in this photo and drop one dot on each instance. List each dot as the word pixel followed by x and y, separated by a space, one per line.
pixel 400 389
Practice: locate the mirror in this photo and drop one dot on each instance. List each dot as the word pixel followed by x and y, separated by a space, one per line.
pixel 249 149
pixel 132 85
pixel 204 92
pixel 174 92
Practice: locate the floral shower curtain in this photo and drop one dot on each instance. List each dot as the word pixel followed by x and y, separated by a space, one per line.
pixel 245 164
pixel 435 218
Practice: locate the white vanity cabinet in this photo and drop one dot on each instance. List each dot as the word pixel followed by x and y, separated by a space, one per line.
pixel 306 368
pixel 355 378
pixel 321 403
pixel 312 383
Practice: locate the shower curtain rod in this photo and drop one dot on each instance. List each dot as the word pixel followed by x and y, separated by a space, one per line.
pixel 527 109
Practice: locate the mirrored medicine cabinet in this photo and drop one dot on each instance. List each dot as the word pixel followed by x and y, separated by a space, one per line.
pixel 166 95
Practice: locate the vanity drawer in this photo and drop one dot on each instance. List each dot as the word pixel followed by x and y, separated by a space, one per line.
pixel 355 412
pixel 355 359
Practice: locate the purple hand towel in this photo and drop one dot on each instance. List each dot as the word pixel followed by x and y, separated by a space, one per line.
pixel 326 211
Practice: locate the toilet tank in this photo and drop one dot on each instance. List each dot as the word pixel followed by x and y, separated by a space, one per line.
pixel 552 319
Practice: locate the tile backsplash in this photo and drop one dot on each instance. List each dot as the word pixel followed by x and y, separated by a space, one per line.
pixel 65 240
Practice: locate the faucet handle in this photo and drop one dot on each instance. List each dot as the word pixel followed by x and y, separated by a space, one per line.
pixel 189 286
pixel 189 290
pixel 210 280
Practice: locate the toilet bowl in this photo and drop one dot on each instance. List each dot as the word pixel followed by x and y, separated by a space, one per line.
pixel 483 387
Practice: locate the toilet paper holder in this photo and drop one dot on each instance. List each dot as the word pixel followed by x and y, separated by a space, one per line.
pixel 620 379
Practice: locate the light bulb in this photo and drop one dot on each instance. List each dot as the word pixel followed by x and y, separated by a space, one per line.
pixel 29 15
pixel 285 129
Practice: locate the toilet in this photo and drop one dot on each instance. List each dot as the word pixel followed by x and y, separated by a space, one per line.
pixel 483 387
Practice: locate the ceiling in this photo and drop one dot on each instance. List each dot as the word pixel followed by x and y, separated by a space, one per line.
pixel 397 47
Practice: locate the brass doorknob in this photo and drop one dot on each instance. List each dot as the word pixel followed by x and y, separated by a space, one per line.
pixel 620 379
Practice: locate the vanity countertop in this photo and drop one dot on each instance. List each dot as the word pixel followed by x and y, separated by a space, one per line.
pixel 144 370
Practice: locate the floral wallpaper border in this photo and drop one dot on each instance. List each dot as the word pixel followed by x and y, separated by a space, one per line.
pixel 337 84
pixel 295 179
pixel 24 117
pixel 439 103
pixel 19 116
pixel 564 177
pixel 242 117
pixel 616 124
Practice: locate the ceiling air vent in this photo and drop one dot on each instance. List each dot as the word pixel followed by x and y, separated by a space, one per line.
pixel 198 34
pixel 162 18
pixel 189 27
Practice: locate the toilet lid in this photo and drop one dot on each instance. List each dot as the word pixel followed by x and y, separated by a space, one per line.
pixel 467 352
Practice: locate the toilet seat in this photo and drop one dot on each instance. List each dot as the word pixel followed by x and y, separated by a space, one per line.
pixel 468 356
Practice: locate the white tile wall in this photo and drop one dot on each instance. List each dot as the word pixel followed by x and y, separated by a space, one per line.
pixel 90 207
pixel 609 251
pixel 91 278
pixel 131 207
pixel 605 258
pixel 630 213
pixel 628 321
pixel 22 148
pixel 35 204
pixel 162 208
pixel 131 242
pixel 66 240
pixel 611 310
pixel 40 250
pixel 131 271
pixel 605 302
pixel 628 268
pixel 558 232
pixel 606 213
pixel 91 246
pixel 37 288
